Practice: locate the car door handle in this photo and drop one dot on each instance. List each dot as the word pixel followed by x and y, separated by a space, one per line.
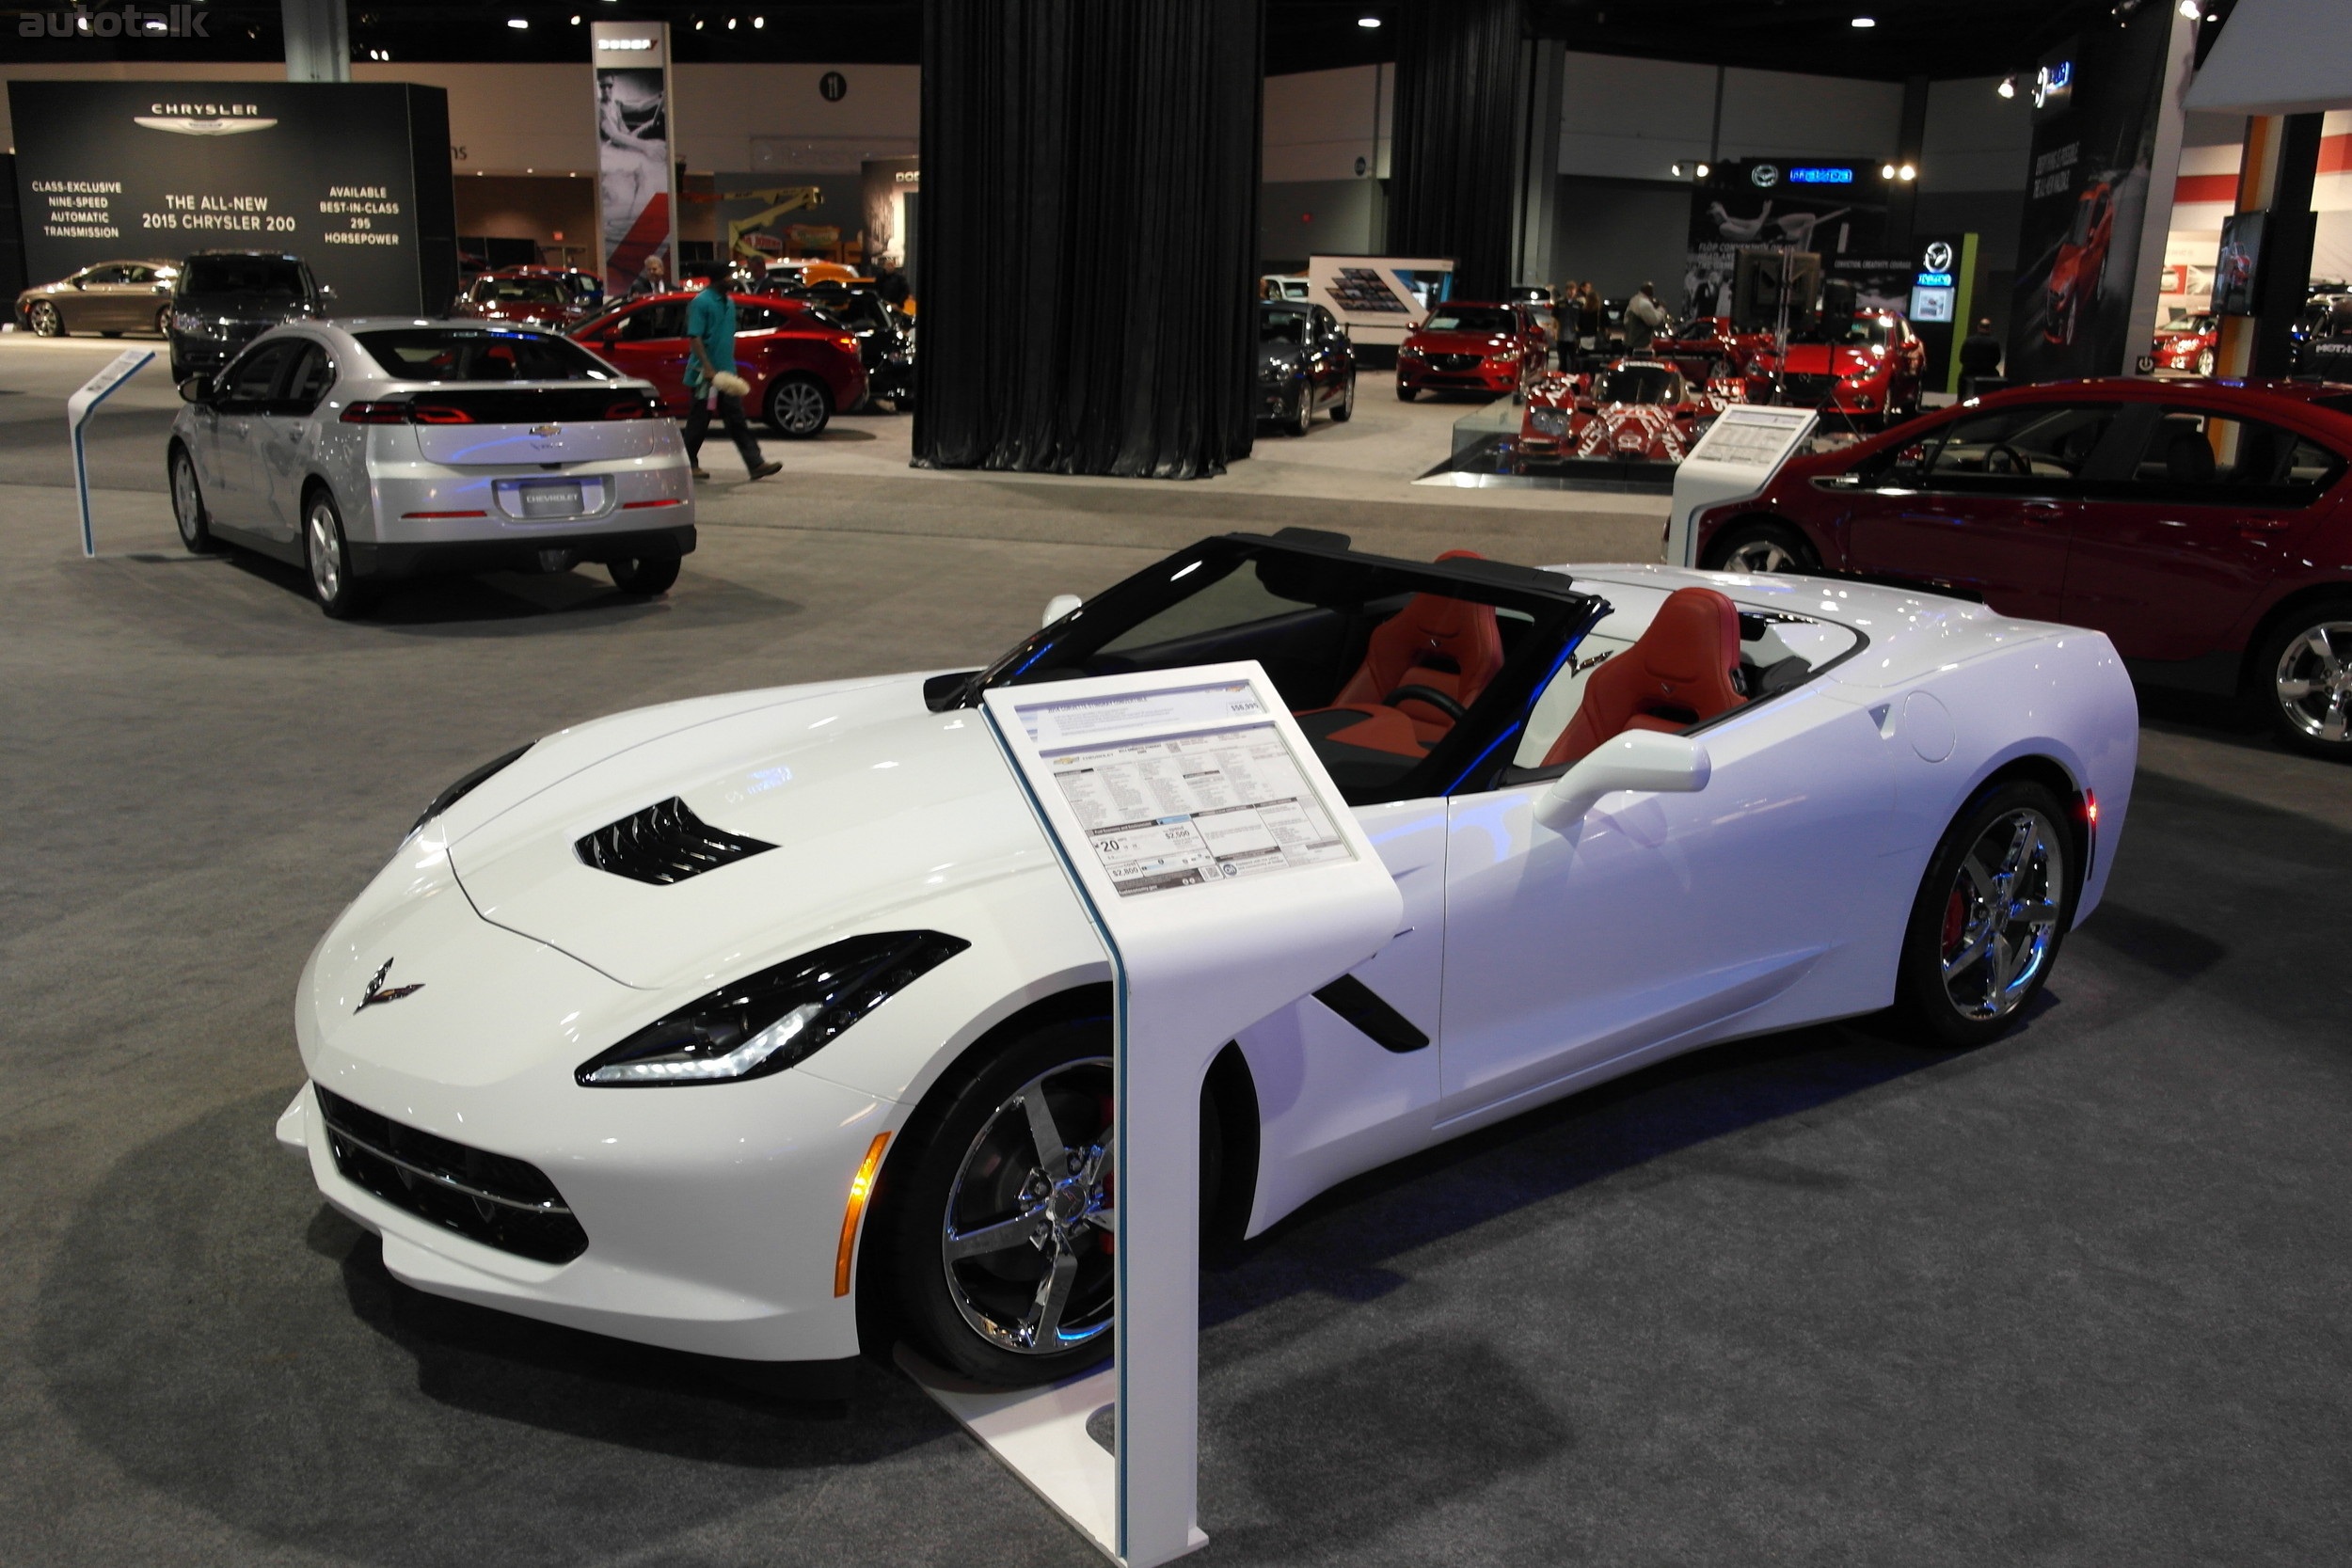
pixel 2044 512
pixel 2257 526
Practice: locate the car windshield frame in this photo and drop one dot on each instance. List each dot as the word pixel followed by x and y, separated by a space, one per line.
pixel 1471 318
pixel 583 366
pixel 195 279
pixel 1556 613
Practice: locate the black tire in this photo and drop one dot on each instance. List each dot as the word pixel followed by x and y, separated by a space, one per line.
pixel 117 333
pixel 187 503
pixel 798 407
pixel 163 321
pixel 1762 546
pixel 1344 409
pixel 972 1127
pixel 327 558
pixel 1995 905
pixel 43 319
pixel 1404 393
pixel 2302 677
pixel 644 574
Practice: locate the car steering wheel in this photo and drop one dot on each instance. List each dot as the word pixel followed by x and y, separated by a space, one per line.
pixel 1429 695
pixel 2017 464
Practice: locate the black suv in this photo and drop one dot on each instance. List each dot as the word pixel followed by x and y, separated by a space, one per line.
pixel 226 298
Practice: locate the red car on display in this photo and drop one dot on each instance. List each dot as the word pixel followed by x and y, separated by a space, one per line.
pixel 2080 262
pixel 1637 410
pixel 1712 337
pixel 1471 346
pixel 2205 525
pixel 801 365
pixel 551 297
pixel 1865 367
pixel 2189 344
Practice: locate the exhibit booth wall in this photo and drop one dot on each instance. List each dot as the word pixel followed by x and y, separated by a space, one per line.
pixel 352 176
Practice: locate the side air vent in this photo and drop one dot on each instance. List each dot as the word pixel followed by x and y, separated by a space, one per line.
pixel 663 844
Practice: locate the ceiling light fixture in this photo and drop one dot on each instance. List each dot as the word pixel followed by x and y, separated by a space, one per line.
pixel 2190 9
pixel 1367 21
pixel 1907 172
pixel 517 22
pixel 2007 87
pixel 1865 21
pixel 1886 171
pixel 730 24
pixel 1702 171
pixel 760 22
pixel 1674 169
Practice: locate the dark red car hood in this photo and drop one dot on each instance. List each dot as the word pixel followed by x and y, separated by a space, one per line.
pixel 1830 360
pixel 1460 342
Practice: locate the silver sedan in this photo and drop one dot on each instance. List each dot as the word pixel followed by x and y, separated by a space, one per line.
pixel 372 450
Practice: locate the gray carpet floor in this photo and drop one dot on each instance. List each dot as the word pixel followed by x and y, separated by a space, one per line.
pixel 1819 1298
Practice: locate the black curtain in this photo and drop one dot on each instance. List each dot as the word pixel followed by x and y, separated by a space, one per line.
pixel 1090 234
pixel 1461 91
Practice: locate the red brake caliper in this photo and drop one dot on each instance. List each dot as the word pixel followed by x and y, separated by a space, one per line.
pixel 1955 921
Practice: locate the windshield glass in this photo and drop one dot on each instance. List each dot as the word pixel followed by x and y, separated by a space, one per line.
pixel 1405 677
pixel 1282 326
pixel 456 354
pixel 1640 384
pixel 263 277
pixel 528 291
pixel 1468 318
pixel 1862 331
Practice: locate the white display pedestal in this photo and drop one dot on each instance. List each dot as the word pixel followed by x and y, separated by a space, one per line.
pixel 1227 879
pixel 1736 459
pixel 79 407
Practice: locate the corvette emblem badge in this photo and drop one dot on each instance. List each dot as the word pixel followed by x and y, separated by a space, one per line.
pixel 377 992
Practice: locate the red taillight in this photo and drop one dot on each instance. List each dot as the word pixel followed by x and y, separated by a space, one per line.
pixel 631 409
pixel 376 413
pixel 437 413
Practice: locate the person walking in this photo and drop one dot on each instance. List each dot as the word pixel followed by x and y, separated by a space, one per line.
pixel 711 382
pixel 1979 357
pixel 1645 318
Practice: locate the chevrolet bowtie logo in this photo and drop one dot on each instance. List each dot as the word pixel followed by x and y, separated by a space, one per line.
pixel 377 993
pixel 547 430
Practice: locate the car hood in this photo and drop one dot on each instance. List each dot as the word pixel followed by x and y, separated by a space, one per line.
pixel 1278 357
pixel 1829 359
pixel 874 806
pixel 1458 342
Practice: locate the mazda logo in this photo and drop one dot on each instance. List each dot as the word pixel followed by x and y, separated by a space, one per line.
pixel 1938 256
pixel 1766 175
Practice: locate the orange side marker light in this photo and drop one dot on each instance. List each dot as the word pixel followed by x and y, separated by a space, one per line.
pixel 861 1188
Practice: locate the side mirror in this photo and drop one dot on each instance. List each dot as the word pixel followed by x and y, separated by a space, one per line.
pixel 1912 457
pixel 1638 759
pixel 197 387
pixel 1059 606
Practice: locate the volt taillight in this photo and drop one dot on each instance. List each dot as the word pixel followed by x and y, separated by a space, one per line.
pixel 437 413
pixel 631 408
pixel 376 413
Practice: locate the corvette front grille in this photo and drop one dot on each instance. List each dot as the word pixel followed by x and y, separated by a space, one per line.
pixel 663 844
pixel 492 1199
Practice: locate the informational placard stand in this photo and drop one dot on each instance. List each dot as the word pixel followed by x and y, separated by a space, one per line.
pixel 79 407
pixel 1736 459
pixel 1227 879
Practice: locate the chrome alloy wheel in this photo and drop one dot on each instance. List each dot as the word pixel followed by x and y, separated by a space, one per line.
pixel 188 502
pixel 327 551
pixel 2000 918
pixel 1760 554
pixel 1026 1244
pixel 2315 681
pixel 799 408
pixel 44 321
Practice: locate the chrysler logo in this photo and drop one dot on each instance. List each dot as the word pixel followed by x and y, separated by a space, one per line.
pixel 202 125
pixel 377 992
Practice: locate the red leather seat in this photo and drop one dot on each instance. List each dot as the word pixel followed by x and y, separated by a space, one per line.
pixel 1678 672
pixel 1450 645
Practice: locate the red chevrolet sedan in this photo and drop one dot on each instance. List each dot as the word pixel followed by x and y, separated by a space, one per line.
pixel 2205 525
pixel 802 365
pixel 1470 346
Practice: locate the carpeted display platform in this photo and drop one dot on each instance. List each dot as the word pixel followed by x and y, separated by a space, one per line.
pixel 1819 1298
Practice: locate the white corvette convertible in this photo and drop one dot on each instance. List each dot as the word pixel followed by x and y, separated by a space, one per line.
pixel 765 1025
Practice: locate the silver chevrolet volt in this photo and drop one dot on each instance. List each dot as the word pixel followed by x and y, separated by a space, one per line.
pixel 374 450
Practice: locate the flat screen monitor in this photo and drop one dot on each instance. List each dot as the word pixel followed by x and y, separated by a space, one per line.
pixel 2239 267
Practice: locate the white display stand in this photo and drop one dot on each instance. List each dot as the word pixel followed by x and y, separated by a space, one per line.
pixel 1227 879
pixel 1735 460
pixel 79 407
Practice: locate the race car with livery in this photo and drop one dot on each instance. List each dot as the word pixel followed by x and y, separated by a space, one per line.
pixel 1637 410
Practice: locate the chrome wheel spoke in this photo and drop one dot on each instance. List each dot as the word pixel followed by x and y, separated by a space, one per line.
pixel 1105 1219
pixel 1053 1297
pixel 1051 1155
pixel 1960 963
pixel 2332 726
pixel 2295 690
pixel 1020 1230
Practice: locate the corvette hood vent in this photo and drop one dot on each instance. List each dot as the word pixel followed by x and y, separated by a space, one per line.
pixel 663 844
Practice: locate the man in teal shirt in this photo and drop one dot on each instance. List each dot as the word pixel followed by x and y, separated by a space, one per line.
pixel 710 334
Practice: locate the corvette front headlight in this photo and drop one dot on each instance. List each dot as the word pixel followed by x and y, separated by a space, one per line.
pixel 466 785
pixel 771 1019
